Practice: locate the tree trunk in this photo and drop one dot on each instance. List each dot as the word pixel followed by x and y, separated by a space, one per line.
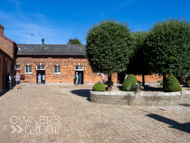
pixel 109 80
pixel 164 82
pixel 143 80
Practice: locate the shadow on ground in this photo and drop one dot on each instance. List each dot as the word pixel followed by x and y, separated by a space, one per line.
pixel 183 127
pixel 3 92
pixel 147 88
pixel 82 93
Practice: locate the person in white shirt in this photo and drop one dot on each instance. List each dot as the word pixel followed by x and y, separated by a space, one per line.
pixel 103 77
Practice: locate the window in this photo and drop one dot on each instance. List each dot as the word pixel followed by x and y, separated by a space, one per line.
pixel 79 68
pixel 57 70
pixel 17 67
pixel 28 69
pixel 40 67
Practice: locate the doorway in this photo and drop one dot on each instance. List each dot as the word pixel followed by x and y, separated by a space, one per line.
pixel 41 72
pixel 80 72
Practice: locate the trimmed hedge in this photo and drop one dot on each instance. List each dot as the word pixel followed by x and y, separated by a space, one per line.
pixel 173 84
pixel 129 82
pixel 188 83
pixel 99 87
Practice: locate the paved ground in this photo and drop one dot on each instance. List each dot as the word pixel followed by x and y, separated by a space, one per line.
pixel 62 113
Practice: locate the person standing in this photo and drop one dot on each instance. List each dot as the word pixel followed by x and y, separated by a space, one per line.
pixel 39 79
pixel 7 79
pixel 17 80
pixel 126 75
pixel 43 79
pixel 103 77
pixel 76 78
pixel 80 78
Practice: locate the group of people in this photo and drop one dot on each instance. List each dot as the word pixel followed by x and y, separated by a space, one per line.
pixel 41 79
pixel 9 81
pixel 78 78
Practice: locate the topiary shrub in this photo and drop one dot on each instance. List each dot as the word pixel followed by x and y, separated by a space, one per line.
pixel 188 83
pixel 129 82
pixel 173 84
pixel 98 87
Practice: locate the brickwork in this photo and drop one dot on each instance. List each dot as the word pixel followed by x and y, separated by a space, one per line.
pixel 67 70
pixel 6 46
pixel 149 78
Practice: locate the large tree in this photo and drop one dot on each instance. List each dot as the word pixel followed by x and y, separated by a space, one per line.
pixel 138 64
pixel 74 41
pixel 109 47
pixel 168 47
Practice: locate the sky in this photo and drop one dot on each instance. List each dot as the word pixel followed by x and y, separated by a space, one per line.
pixel 59 20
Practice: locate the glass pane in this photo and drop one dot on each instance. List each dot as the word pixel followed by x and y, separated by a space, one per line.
pixel 55 69
pixel 59 69
pixel 30 68
pixel 26 67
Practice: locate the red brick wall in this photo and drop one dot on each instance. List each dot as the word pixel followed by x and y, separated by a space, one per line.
pixel 1 72
pixel 149 78
pixel 67 69
pixel 6 46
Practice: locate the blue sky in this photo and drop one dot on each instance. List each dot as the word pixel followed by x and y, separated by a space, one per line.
pixel 58 20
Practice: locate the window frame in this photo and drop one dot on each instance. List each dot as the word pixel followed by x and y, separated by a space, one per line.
pixel 17 68
pixel 57 70
pixel 40 67
pixel 28 69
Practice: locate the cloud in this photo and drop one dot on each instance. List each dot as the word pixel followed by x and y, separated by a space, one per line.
pixel 18 25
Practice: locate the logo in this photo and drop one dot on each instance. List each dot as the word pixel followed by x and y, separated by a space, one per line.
pixel 31 125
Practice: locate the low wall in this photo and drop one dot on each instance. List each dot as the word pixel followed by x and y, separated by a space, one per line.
pixel 147 99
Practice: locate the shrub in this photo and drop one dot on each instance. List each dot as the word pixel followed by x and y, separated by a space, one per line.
pixel 173 84
pixel 129 82
pixel 98 87
pixel 188 83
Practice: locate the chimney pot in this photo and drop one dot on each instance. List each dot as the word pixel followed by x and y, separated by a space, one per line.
pixel 43 41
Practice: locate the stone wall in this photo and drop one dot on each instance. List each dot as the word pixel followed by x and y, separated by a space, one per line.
pixel 139 99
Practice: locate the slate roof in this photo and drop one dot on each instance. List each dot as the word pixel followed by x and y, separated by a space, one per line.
pixel 51 49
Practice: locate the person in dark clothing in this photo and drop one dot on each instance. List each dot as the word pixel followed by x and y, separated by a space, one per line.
pixel 7 82
pixel 80 78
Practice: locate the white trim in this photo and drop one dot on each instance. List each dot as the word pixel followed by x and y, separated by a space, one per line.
pixel 28 69
pixel 57 70
pixel 79 69
pixel 17 68
pixel 40 67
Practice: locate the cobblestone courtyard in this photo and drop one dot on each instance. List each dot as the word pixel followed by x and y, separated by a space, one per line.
pixel 62 113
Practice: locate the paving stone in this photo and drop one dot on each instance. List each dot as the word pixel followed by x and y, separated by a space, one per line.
pixel 82 121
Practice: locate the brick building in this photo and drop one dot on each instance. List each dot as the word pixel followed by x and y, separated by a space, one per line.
pixel 58 63
pixel 8 52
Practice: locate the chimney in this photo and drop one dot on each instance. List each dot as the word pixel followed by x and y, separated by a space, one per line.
pixel 2 29
pixel 43 41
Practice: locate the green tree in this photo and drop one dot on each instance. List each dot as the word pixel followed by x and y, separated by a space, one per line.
pixel 109 47
pixel 138 64
pixel 74 41
pixel 168 47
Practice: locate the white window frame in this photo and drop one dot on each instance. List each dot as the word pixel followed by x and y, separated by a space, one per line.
pixel 17 68
pixel 79 68
pixel 28 69
pixel 41 67
pixel 58 72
